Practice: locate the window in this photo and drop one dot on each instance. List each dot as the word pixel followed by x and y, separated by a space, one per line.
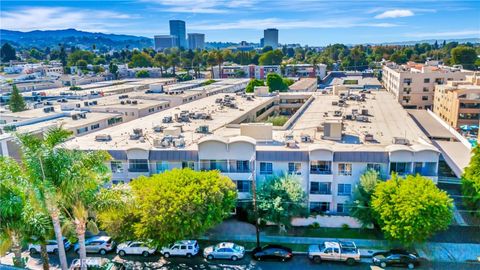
pixel 161 166
pixel 151 110
pixel 244 185
pixel 266 168
pixel 92 127
pixel 374 167
pixel 400 167
pixel 319 207
pixel 320 167
pixel 242 166
pixel 115 120
pixel 82 130
pixel 320 188
pixel 138 165
pixel 295 168
pixel 342 208
pixel 116 166
pixel 426 80
pixel 188 164
pixel 344 189
pixel 345 169
pixel 425 89
pixel 424 97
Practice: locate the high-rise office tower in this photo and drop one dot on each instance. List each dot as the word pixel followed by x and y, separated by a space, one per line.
pixel 196 41
pixel 270 37
pixel 165 41
pixel 177 28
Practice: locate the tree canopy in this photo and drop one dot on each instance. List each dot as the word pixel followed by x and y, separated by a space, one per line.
pixel 471 183
pixel 17 103
pixel 361 207
pixel 465 56
pixel 281 198
pixel 252 83
pixel 275 82
pixel 7 53
pixel 174 205
pixel 411 209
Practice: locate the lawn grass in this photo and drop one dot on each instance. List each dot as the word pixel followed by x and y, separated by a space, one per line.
pixel 326 232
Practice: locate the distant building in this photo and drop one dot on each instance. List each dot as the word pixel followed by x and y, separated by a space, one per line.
pixel 270 37
pixel 261 42
pixel 165 41
pixel 414 83
pixel 458 102
pixel 177 28
pixel 196 41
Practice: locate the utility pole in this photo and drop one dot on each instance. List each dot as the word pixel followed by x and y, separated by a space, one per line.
pixel 254 199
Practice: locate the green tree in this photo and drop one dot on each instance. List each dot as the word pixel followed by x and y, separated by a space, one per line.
pixel 252 83
pixel 142 74
pixel 465 56
pixel 275 83
pixel 79 55
pixel 81 64
pixel 48 169
pixel 280 199
pixel 7 53
pixel 411 209
pixel 361 201
pixel 160 60
pixel 166 207
pixel 271 58
pixel 174 60
pixel 113 70
pixel 141 60
pixel 471 183
pixel 16 103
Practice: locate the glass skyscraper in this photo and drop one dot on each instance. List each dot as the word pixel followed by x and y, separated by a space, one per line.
pixel 177 28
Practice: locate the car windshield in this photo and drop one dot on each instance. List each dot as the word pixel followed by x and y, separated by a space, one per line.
pixel 237 247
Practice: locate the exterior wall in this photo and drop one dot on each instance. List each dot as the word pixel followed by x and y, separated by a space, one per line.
pixel 417 94
pixel 450 106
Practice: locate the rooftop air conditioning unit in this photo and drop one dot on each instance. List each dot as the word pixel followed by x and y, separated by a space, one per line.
pixel 364 112
pixel 103 137
pixel 202 129
pixel 134 102
pixel 306 138
pixel 369 137
pixel 291 143
pixel 337 113
pixel 74 117
pixel 400 140
pixel 179 142
pixel 158 128
pixel 167 119
pixel 362 118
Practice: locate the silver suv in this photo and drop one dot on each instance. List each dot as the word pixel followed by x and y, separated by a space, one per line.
pixel 224 250
pixel 97 244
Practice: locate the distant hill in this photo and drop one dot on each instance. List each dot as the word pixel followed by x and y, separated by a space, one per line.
pixel 431 41
pixel 72 37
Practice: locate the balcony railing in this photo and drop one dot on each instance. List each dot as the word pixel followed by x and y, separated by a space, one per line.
pixel 325 172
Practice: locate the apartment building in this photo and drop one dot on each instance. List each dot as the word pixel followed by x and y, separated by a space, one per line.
pixel 261 72
pixel 328 142
pixel 458 102
pixel 413 84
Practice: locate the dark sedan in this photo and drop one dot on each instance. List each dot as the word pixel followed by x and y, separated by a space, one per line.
pixel 273 252
pixel 396 259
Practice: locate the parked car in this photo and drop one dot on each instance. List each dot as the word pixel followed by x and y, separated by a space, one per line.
pixel 273 252
pixel 396 259
pixel 93 263
pixel 187 248
pixel 224 250
pixel 135 248
pixel 52 246
pixel 97 244
pixel 334 251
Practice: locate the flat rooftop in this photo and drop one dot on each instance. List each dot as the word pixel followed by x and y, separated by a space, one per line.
pixel 430 125
pixel 360 81
pixel 303 84
pixel 220 117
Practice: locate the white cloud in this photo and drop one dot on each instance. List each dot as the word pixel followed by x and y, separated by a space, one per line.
pixel 259 24
pixel 202 6
pixel 395 13
pixel 463 33
pixel 53 18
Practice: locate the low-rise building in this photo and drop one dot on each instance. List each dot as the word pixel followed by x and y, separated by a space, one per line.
pixel 261 72
pixel 413 84
pixel 304 85
pixel 458 102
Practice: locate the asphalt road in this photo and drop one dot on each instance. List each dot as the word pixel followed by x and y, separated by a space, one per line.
pixel 179 263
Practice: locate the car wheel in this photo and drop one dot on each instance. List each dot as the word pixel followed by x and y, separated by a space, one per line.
pixel 166 255
pixel 350 261
pixel 102 251
pixel 33 251
pixel 317 259
pixel 383 264
pixel 210 257
pixel 189 255
pixel 234 258
pixel 411 266
pixel 145 254
pixel 122 253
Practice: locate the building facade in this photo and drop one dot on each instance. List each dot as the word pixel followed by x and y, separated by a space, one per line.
pixel 458 102
pixel 196 41
pixel 270 37
pixel 413 84
pixel 177 29
pixel 163 42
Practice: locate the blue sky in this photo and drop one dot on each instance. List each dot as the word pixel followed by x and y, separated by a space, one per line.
pixel 319 22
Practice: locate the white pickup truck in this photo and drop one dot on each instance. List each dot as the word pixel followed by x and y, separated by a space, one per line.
pixel 334 251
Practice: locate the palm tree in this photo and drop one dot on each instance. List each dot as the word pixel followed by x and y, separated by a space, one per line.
pixel 47 167
pixel 174 60
pixel 219 59
pixel 160 61
pixel 211 61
